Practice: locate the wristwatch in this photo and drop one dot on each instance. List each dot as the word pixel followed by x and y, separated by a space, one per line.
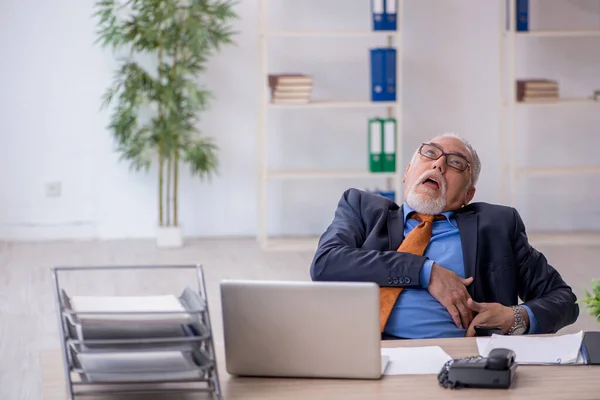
pixel 518 327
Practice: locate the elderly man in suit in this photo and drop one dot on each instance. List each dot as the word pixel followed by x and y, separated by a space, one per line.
pixel 444 265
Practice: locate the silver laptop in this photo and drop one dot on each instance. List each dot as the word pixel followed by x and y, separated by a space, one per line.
pixel 302 329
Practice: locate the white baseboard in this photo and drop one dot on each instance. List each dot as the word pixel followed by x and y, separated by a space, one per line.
pixel 35 232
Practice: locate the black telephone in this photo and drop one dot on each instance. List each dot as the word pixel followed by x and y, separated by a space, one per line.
pixel 496 371
pixel 487 330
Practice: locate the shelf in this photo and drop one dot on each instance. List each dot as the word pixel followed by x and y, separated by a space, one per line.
pixel 575 238
pixel 558 171
pixel 330 33
pixel 327 174
pixel 311 175
pixel 303 244
pixel 511 129
pixel 560 101
pixel 539 238
pixel 560 33
pixel 336 104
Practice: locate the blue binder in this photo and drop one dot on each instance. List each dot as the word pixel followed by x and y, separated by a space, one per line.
pixel 522 23
pixel 378 14
pixel 390 74
pixel 390 16
pixel 377 75
pixel 383 74
pixel 390 194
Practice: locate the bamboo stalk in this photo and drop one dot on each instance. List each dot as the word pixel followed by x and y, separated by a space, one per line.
pixel 160 144
pixel 176 186
pixel 168 191
pixel 175 153
pixel 160 184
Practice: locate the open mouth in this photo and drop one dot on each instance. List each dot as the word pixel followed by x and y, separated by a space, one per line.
pixel 432 183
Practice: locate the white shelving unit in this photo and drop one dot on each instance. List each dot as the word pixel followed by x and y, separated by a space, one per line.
pixel 508 106
pixel 266 174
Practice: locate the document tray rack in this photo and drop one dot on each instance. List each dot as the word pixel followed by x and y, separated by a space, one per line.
pixel 141 351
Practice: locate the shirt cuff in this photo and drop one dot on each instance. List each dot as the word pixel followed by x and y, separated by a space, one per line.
pixel 426 273
pixel 533 325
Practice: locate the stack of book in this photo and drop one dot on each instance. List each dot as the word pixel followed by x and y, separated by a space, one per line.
pixel 537 90
pixel 290 88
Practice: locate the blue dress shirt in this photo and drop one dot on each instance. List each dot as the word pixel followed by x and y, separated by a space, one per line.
pixel 417 314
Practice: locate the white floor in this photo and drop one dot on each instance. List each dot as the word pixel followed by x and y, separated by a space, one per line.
pixel 29 323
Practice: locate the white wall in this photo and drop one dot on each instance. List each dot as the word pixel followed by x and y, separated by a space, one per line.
pixel 52 77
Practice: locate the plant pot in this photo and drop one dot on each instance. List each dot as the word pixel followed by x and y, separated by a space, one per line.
pixel 169 237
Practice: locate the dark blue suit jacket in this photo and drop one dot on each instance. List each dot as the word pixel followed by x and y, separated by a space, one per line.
pixel 361 243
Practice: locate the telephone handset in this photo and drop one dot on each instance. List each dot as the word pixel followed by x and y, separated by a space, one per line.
pixel 495 371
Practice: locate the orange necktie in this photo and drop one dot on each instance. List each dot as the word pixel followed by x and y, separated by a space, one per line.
pixel 415 242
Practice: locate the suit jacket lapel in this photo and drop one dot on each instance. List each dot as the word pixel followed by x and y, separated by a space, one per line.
pixel 395 226
pixel 467 226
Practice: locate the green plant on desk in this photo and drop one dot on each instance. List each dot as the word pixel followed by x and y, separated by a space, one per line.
pixel 592 300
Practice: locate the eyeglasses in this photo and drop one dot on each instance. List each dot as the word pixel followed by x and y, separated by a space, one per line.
pixel 434 152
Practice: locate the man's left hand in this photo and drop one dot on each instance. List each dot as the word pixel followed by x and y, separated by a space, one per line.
pixel 490 314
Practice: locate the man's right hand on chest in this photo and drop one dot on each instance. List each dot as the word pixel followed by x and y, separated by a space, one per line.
pixel 451 291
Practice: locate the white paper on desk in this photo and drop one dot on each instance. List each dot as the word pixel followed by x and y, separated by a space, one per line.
pixel 415 360
pixel 563 349
pixel 482 342
pixel 131 304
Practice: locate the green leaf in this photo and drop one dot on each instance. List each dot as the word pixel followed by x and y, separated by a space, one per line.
pixel 592 300
pixel 201 155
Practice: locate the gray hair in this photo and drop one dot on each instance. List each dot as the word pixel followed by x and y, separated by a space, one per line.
pixel 475 165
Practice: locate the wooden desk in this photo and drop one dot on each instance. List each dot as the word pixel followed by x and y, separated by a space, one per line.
pixel 532 382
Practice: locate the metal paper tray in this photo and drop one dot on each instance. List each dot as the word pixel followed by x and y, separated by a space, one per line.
pixel 140 366
pixel 104 333
pixel 144 329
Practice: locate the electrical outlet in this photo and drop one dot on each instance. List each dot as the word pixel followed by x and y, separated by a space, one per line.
pixel 53 189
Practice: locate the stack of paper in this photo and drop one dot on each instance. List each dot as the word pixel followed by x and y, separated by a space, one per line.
pixel 563 349
pixel 415 360
pixel 131 317
pixel 103 308
pixel 140 366
pixel 137 338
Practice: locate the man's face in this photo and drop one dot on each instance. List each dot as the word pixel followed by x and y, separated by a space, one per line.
pixel 433 186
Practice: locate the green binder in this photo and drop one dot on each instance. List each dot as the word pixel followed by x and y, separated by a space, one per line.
pixel 375 144
pixel 389 145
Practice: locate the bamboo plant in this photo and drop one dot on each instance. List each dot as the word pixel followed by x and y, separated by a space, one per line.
pixel 156 96
pixel 592 300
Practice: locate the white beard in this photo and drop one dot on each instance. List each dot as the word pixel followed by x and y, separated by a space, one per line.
pixel 431 202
